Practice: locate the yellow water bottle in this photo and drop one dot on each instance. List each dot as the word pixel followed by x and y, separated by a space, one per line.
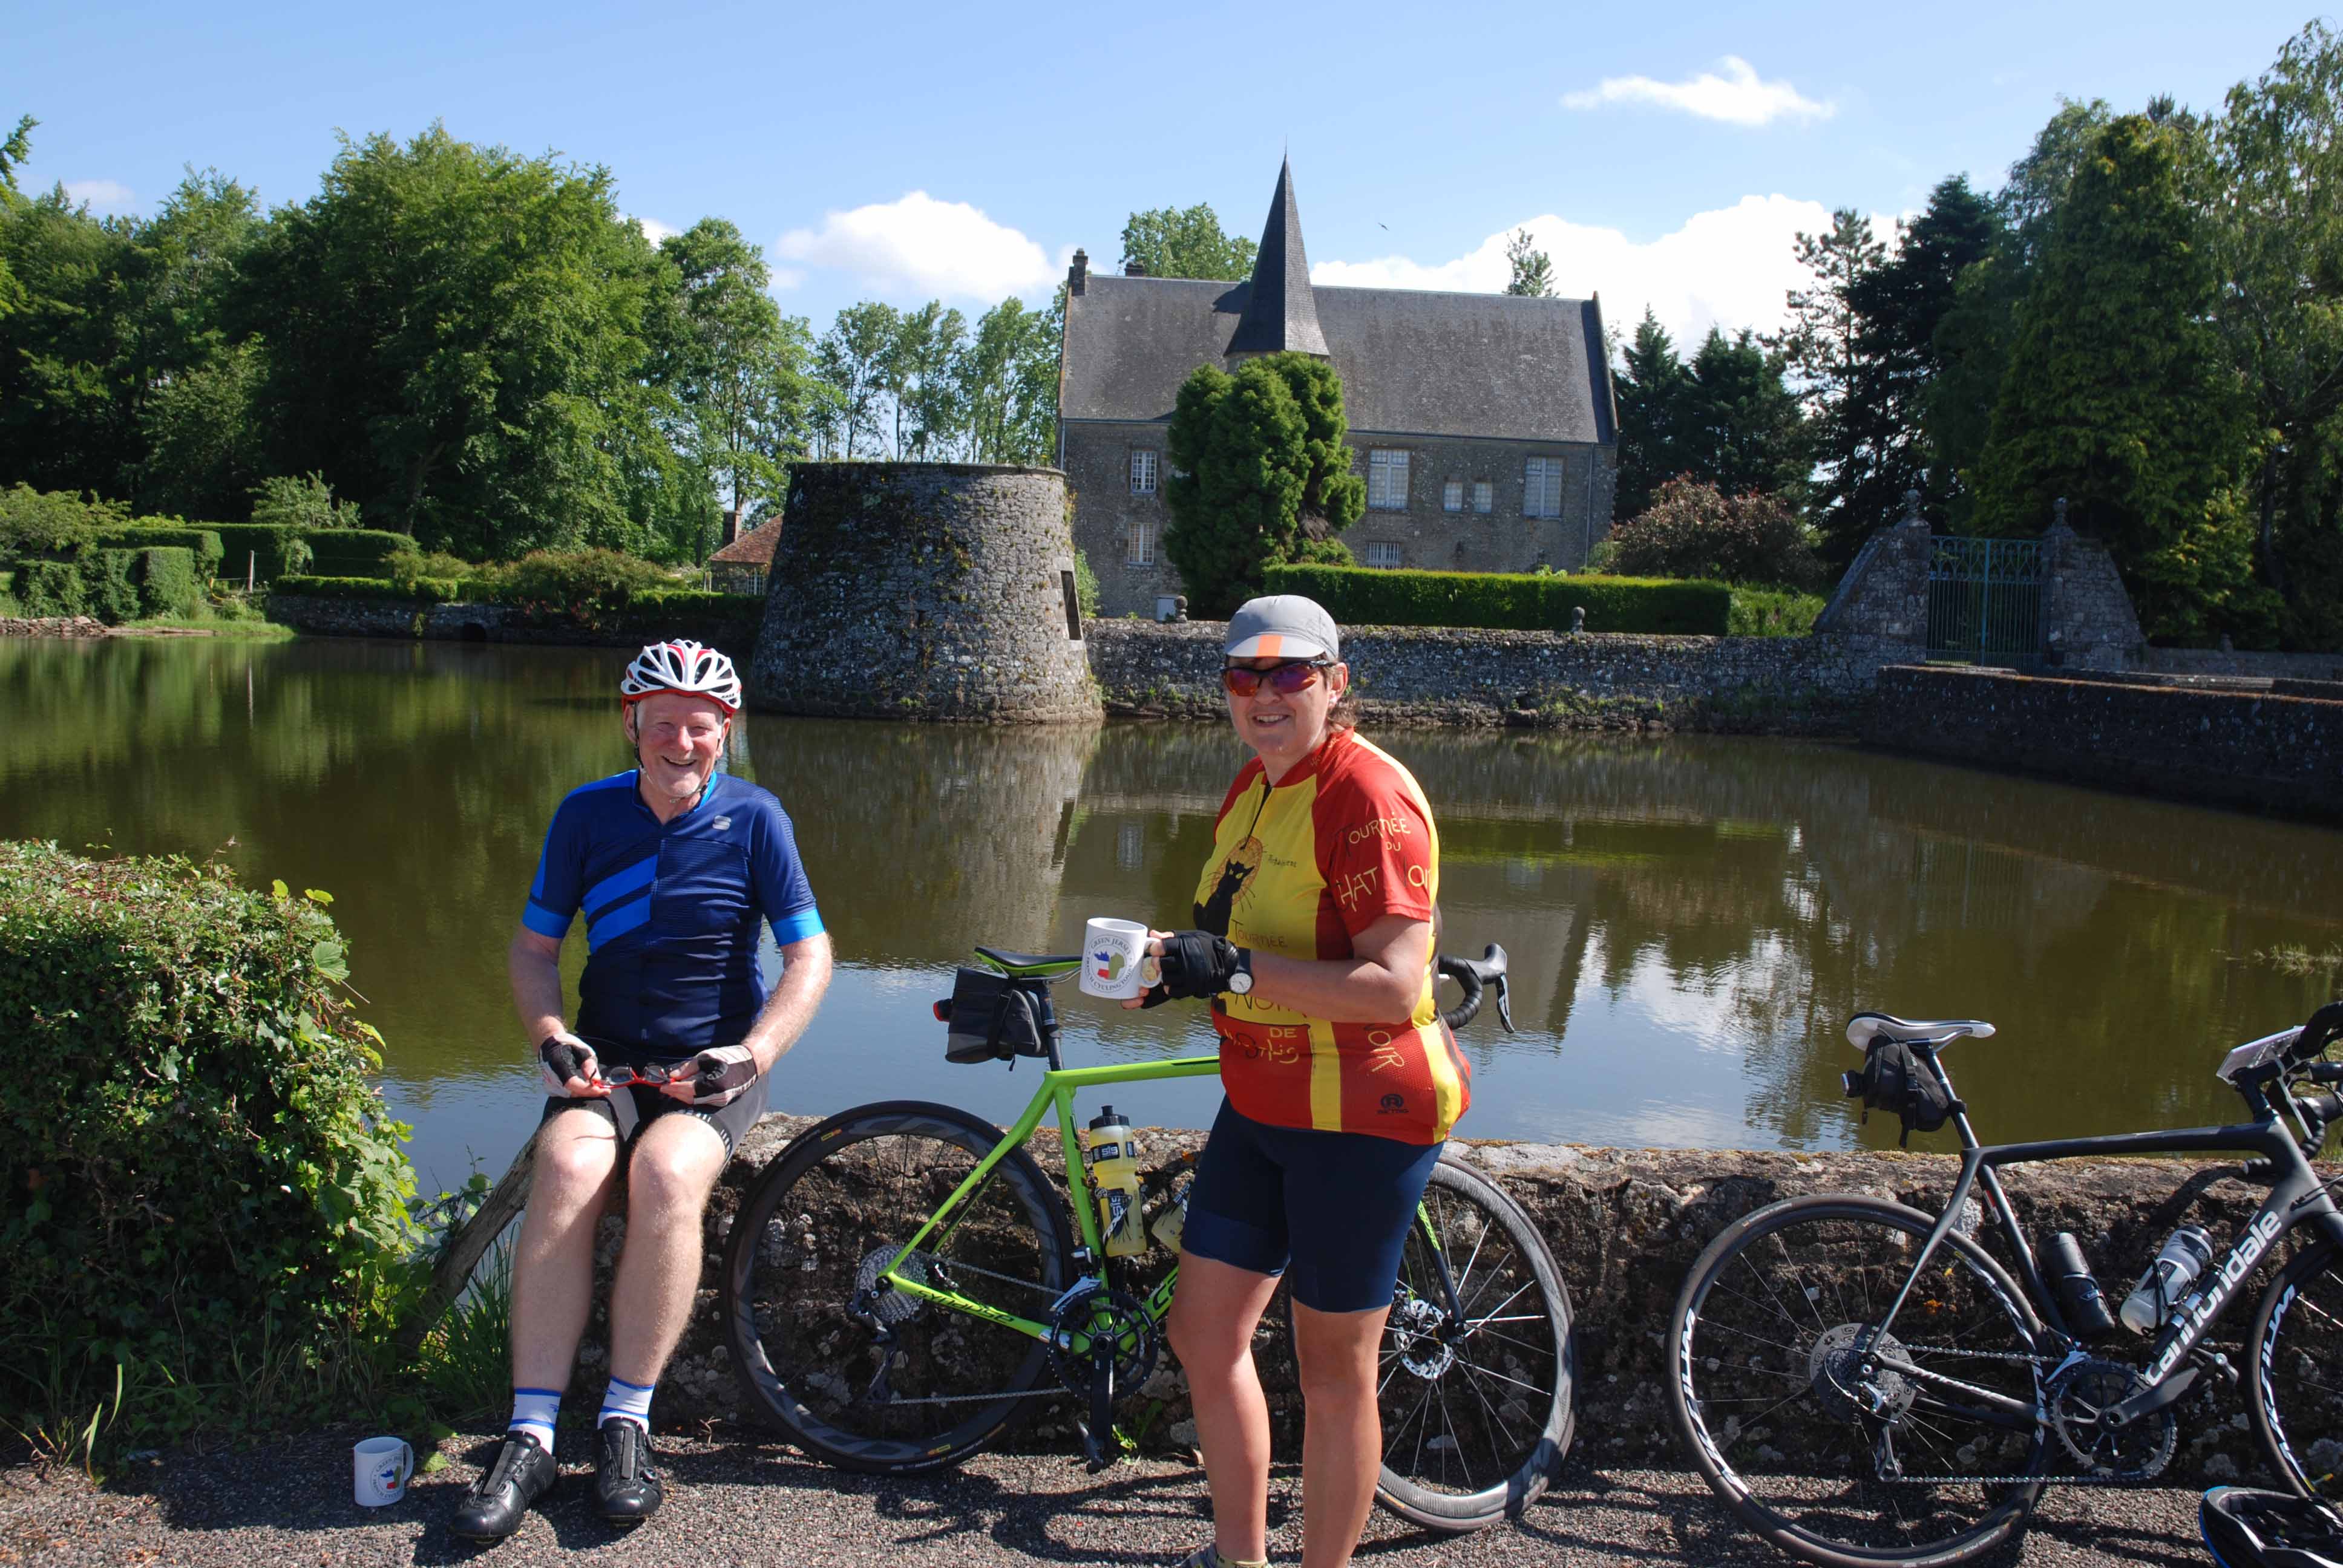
pixel 1114 1171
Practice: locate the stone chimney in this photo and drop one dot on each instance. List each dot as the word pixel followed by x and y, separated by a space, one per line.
pixel 1135 269
pixel 1078 276
pixel 731 525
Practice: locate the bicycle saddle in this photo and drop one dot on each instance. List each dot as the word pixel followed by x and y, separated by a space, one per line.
pixel 1866 1027
pixel 1030 966
pixel 2248 1529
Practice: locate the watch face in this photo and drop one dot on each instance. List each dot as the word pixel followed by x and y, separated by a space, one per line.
pixel 1240 982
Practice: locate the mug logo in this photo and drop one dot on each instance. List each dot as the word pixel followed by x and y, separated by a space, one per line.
pixel 387 1477
pixel 1110 964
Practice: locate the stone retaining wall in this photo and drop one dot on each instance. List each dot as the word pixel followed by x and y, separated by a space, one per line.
pixel 1624 1226
pixel 2240 748
pixel 2266 666
pixel 1425 675
pixel 318 614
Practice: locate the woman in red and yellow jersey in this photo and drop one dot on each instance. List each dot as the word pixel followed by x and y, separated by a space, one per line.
pixel 1313 943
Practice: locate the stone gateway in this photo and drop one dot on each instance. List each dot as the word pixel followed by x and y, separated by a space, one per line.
pixel 924 591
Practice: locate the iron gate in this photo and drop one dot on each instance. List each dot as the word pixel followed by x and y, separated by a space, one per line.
pixel 1984 601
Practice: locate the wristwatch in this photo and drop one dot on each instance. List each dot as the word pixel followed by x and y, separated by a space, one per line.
pixel 1240 977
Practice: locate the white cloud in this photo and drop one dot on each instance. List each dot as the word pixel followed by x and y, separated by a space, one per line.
pixel 1729 268
pixel 925 245
pixel 656 231
pixel 107 196
pixel 1737 98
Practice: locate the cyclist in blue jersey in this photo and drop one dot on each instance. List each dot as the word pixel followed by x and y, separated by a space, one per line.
pixel 675 867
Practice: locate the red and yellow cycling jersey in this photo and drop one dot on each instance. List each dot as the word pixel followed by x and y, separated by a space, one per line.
pixel 1300 867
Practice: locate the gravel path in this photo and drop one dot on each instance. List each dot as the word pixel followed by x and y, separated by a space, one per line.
pixel 743 1503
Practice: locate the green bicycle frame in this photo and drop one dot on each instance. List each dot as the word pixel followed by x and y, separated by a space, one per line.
pixel 1057 1091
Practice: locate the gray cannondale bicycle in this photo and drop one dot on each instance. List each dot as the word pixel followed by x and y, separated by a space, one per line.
pixel 904 1282
pixel 1862 1383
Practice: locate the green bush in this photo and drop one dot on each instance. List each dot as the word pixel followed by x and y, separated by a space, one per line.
pixel 167 583
pixel 52 588
pixel 150 532
pixel 1774 612
pixel 201 1179
pixel 303 503
pixel 51 522
pixel 113 579
pixel 411 564
pixel 585 586
pixel 356 552
pixel 272 551
pixel 1366 596
pixel 431 590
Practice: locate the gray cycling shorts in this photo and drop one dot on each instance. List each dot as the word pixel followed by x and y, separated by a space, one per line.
pixel 635 1107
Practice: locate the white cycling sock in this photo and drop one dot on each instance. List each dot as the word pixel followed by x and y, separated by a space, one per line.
pixel 533 1412
pixel 631 1400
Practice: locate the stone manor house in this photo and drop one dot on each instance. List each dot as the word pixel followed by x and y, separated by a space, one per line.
pixel 1483 423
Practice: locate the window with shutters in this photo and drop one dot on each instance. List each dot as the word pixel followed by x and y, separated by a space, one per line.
pixel 1143 472
pixel 1542 488
pixel 1452 496
pixel 1386 480
pixel 1388 557
pixel 1139 543
pixel 1484 497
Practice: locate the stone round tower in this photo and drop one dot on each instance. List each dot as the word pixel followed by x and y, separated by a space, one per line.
pixel 924 591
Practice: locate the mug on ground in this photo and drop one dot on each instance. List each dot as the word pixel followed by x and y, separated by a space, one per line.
pixel 380 1469
pixel 1112 954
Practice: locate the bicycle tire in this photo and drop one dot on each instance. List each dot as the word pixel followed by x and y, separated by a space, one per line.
pixel 1514 1358
pixel 1830 1479
pixel 2296 1417
pixel 842 1197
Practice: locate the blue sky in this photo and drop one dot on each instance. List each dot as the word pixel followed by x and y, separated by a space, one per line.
pixel 1664 153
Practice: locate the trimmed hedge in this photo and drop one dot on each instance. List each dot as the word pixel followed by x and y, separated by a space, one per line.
pixel 113 580
pixel 1361 596
pixel 167 580
pixel 52 588
pixel 354 552
pixel 203 543
pixel 429 590
pixel 272 551
pixel 199 1169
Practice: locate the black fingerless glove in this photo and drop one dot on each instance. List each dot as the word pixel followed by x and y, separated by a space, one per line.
pixel 1197 964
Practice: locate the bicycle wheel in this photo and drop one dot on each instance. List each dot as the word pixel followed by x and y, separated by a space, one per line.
pixel 1934 1460
pixel 2297 1403
pixel 1475 1369
pixel 883 1381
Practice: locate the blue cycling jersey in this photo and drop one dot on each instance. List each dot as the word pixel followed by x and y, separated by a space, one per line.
pixel 671 911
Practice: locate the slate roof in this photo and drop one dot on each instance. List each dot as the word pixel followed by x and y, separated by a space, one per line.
pixel 1281 312
pixel 753 548
pixel 1493 366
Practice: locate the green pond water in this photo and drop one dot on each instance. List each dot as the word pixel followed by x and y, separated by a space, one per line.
pixel 1690 919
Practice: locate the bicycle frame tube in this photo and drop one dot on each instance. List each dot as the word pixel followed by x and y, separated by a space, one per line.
pixel 1056 1092
pixel 2297 1196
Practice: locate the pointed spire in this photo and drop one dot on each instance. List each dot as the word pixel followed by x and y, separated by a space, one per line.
pixel 1281 313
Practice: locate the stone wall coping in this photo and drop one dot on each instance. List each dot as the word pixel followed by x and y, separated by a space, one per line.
pixel 894 468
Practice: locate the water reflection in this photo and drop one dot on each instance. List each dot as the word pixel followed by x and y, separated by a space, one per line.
pixel 1690 919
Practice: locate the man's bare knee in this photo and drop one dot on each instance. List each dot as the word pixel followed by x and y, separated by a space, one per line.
pixel 675 1172
pixel 574 1164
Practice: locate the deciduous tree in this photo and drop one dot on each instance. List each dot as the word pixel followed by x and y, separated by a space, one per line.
pixel 1532 269
pixel 1185 242
pixel 1007 384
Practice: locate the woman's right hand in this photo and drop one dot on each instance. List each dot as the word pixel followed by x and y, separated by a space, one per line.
pixel 1154 995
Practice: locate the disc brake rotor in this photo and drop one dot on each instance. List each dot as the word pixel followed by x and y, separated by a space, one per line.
pixel 1415 1324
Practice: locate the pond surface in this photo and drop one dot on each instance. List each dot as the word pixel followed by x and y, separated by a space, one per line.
pixel 1690 919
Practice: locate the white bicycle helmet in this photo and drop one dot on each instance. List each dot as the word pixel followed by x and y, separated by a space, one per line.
pixel 681 665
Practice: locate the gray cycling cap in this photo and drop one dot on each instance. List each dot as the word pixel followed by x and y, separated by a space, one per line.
pixel 1282 626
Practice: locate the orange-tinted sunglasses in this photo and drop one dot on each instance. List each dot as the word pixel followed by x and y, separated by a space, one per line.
pixel 1285 679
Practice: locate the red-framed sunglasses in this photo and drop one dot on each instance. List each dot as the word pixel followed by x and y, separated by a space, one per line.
pixel 651 1075
pixel 1285 679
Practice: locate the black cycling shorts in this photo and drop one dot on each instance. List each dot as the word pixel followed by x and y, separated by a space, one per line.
pixel 1331 1208
pixel 634 1107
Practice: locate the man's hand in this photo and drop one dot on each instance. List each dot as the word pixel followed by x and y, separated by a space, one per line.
pixel 567 1064
pixel 719 1077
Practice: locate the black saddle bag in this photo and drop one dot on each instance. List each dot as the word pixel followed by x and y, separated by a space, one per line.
pixel 990 1018
pixel 1893 1079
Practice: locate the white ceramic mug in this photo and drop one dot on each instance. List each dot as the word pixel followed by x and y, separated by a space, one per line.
pixel 380 1468
pixel 1112 951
